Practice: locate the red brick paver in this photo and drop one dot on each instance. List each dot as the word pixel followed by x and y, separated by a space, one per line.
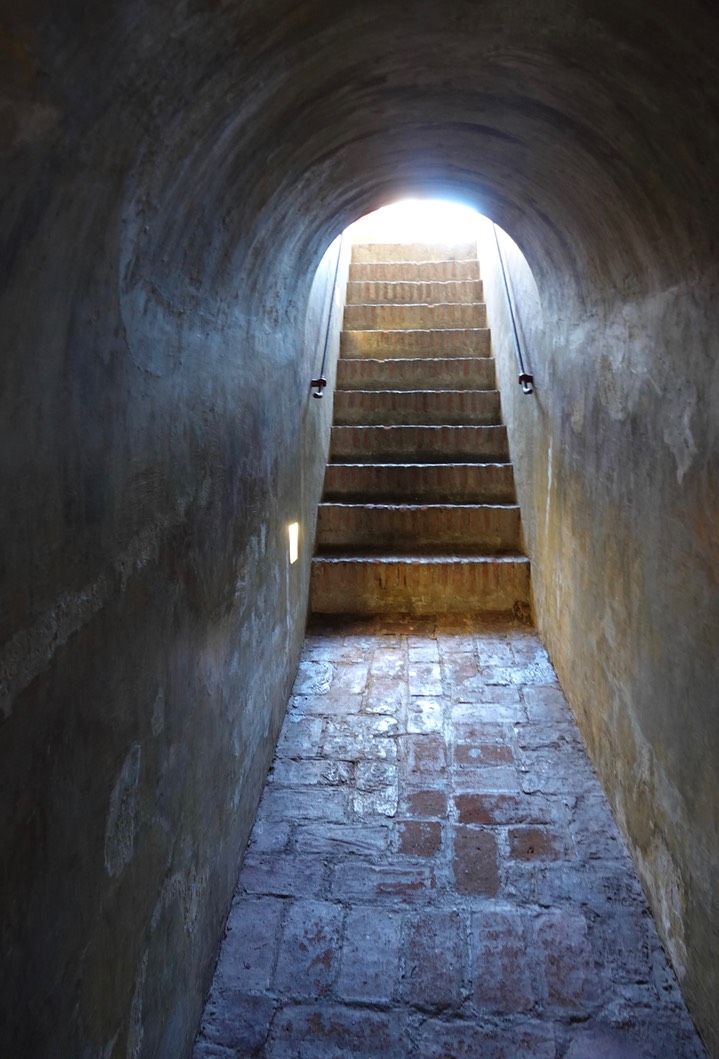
pixel 434 871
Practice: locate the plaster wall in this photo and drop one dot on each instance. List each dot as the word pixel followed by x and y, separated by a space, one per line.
pixel 616 465
pixel 157 434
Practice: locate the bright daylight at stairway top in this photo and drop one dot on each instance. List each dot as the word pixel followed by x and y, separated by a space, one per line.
pixel 417 220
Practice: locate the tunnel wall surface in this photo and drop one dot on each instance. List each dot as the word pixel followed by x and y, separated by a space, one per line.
pixel 616 487
pixel 157 434
pixel 171 176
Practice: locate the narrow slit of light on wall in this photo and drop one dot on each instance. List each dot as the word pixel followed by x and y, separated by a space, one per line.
pixel 294 541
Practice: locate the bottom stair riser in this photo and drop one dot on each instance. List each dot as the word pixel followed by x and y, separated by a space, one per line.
pixel 383 586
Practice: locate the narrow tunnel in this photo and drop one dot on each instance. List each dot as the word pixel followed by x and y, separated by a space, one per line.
pixel 172 176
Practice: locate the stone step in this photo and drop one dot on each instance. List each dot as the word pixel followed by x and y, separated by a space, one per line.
pixel 438 444
pixel 387 317
pixel 460 528
pixel 386 344
pixel 414 271
pixel 419 584
pixel 408 373
pixel 454 482
pixel 419 513
pixel 372 253
pixel 369 292
pixel 416 407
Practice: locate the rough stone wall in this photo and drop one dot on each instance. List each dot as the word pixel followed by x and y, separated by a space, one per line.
pixel 171 175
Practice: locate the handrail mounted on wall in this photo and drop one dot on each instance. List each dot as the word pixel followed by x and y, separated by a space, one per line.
pixel 526 380
pixel 320 382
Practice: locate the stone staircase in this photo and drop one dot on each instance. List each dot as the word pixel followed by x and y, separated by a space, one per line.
pixel 419 512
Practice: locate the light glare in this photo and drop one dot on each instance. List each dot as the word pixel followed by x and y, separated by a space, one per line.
pixel 418 221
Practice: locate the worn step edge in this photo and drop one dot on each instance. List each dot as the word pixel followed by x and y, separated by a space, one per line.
pixel 429 391
pixel 487 428
pixel 418 305
pixel 384 505
pixel 482 556
pixel 420 465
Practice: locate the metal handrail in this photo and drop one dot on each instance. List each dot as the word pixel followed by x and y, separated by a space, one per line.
pixel 526 380
pixel 320 382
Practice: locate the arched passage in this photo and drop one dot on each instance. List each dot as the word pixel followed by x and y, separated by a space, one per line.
pixel 171 179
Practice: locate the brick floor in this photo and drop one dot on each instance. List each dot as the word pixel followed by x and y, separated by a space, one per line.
pixel 434 870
